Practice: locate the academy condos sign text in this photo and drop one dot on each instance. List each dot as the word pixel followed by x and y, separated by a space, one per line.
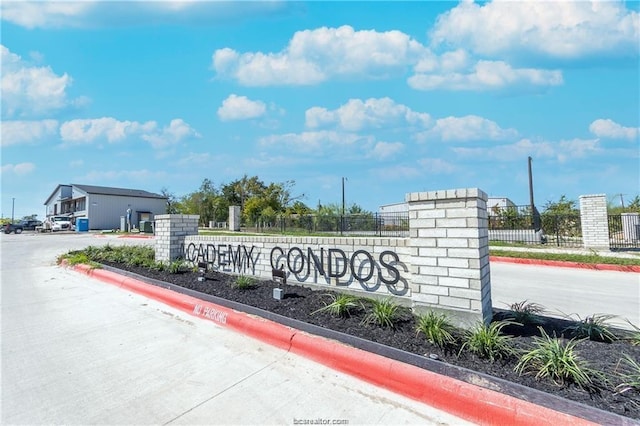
pixel 303 262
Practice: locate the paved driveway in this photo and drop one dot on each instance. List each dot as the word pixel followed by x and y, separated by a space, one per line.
pixel 76 351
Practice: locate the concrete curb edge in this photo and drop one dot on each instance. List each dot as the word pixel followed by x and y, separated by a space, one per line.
pixel 564 264
pixel 473 403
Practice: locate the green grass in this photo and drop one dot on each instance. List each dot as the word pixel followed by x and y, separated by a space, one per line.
pixel 488 342
pixel 567 257
pixel 342 305
pixel 634 335
pixel 437 328
pixel 558 361
pixel 78 258
pixel 383 313
pixel 244 282
pixel 592 327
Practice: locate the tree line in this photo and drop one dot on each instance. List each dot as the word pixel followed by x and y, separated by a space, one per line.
pixel 259 202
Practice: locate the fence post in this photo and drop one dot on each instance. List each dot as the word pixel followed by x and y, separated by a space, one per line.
pixel 449 241
pixel 594 221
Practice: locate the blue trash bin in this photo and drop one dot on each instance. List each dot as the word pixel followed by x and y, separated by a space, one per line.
pixel 82 224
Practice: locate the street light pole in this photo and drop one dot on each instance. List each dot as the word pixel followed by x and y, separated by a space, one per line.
pixel 342 196
pixel 13 204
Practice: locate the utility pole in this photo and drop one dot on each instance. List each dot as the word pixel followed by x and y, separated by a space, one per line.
pixel 621 200
pixel 535 216
pixel 13 204
pixel 342 196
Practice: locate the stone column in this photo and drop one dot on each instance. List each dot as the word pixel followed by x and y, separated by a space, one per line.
pixel 234 218
pixel 594 221
pixel 170 230
pixel 450 254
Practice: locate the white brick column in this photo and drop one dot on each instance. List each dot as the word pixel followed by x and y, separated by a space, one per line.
pixel 594 221
pixel 170 230
pixel 449 243
pixel 234 218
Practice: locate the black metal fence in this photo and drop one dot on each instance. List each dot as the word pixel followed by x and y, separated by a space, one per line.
pixel 523 225
pixel 624 231
pixel 373 224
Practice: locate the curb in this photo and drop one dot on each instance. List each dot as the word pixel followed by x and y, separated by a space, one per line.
pixel 563 264
pixel 470 402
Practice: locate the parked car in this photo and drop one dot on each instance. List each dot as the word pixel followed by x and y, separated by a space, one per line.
pixel 56 223
pixel 29 225
pixel 12 227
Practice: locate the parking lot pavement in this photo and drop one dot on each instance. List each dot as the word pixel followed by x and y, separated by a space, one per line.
pixel 76 351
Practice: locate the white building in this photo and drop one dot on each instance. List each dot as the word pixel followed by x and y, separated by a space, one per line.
pixel 104 206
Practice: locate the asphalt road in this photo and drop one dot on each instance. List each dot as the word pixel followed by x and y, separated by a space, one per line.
pixel 77 351
pixel 568 291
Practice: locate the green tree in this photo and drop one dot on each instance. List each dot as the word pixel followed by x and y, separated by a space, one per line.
pixel 561 218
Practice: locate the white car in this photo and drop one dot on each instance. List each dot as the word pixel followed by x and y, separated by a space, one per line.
pixel 58 223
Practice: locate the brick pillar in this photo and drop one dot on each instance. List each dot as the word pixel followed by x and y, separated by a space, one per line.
pixel 234 218
pixel 170 231
pixel 450 254
pixel 594 221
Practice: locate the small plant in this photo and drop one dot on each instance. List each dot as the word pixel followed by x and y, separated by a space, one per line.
pixel 383 313
pixel 243 282
pixel 487 341
pixel 634 337
pixel 630 374
pixel 177 266
pixel 526 312
pixel 437 328
pixel 593 327
pixel 552 358
pixel 341 306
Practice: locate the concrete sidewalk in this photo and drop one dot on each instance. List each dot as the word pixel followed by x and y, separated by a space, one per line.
pixel 76 351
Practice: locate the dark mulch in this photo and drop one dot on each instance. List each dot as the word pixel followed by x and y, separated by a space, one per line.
pixel 301 302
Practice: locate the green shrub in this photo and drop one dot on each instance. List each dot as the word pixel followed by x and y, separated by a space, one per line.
pixel 593 327
pixel 243 282
pixel 629 371
pixel 341 306
pixel 557 360
pixel 525 312
pixel 383 313
pixel 437 328
pixel 487 341
pixel 177 266
pixel 78 258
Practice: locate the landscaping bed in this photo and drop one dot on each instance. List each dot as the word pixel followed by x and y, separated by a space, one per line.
pixel 609 365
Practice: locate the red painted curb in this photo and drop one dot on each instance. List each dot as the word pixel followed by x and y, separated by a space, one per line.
pixel 473 403
pixel 563 264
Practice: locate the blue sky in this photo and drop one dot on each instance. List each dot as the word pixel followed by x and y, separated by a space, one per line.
pixel 397 97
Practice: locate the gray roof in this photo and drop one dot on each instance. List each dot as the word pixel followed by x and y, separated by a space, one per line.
pixel 123 192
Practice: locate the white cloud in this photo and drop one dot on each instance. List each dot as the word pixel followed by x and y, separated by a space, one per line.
pixel 88 130
pixel 91 13
pixel 437 166
pixel 607 128
pixel 143 175
pixel 562 151
pixel 19 132
pixel 485 75
pixel 467 128
pixel 19 169
pixel 31 90
pixel 372 113
pixel 309 142
pixel 175 132
pixel 240 108
pixel 85 131
pixel 561 29
pixel 384 150
pixel 313 56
